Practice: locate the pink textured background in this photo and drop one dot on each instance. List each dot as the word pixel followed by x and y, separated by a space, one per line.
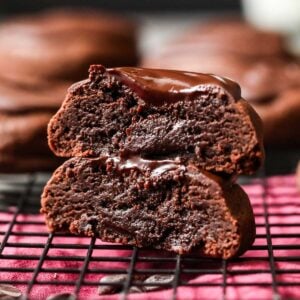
pixel 283 198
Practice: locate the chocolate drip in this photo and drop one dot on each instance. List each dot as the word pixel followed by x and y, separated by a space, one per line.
pixel 157 86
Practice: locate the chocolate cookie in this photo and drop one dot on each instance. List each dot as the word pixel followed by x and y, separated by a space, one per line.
pixel 157 204
pixel 159 113
pixel 231 35
pixel 62 44
pixel 24 115
pixel 281 118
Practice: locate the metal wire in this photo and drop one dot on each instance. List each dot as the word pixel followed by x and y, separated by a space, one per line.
pixel 269 239
pixel 21 195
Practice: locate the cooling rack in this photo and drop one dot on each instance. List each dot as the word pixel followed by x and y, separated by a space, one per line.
pixel 39 263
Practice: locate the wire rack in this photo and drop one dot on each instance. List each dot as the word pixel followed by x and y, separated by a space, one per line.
pixel 62 262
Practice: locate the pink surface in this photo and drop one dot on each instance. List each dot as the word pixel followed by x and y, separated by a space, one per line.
pixel 283 201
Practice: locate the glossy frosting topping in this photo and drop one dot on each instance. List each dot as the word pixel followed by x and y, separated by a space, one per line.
pixel 158 86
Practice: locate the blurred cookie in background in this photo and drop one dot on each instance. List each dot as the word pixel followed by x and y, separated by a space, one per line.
pixel 59 45
pixel 24 116
pixel 41 55
pixel 258 60
pixel 281 118
pixel 231 35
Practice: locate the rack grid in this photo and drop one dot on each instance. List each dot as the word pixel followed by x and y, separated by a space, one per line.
pixel 39 263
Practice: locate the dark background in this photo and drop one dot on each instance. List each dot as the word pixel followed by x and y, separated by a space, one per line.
pixel 19 6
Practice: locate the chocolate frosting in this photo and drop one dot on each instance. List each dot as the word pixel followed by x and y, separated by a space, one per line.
pixel 158 86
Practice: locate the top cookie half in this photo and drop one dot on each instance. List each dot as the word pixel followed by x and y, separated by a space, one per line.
pixel 195 118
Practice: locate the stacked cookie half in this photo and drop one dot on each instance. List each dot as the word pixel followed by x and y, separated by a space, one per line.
pixel 154 155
